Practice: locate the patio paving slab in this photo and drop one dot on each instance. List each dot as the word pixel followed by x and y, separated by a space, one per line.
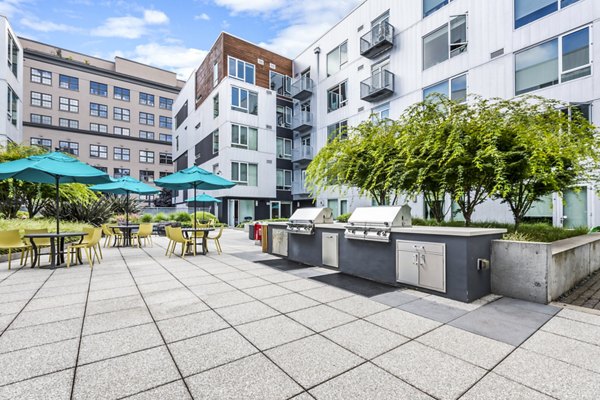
pixel 290 302
pixel 166 296
pixel 56 386
pixel 321 317
pixel 298 284
pixel 191 325
pixel 38 317
pixel 358 306
pixel 253 377
pixel 211 288
pixel 246 312
pixel 211 350
pixel 574 329
pixel 277 277
pixel 325 294
pixel 116 320
pixel 227 299
pixel 402 322
pixel 587 317
pixel 313 360
pixel 267 291
pixel 366 382
pixel 171 391
pixel 432 310
pixel 177 308
pixel 112 293
pixel 110 305
pixel 434 372
pixel 492 386
pixel 16 339
pixel 248 283
pixel 56 301
pixel 271 332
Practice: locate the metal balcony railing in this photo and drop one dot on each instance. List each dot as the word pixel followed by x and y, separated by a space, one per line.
pixel 377 41
pixel 302 121
pixel 302 89
pixel 302 153
pixel 377 86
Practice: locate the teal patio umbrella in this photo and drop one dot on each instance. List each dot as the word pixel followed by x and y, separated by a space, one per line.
pixel 203 198
pixel 194 178
pixel 125 185
pixel 53 168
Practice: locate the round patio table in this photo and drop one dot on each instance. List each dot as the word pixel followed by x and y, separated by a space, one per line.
pixel 56 257
pixel 126 233
pixel 188 231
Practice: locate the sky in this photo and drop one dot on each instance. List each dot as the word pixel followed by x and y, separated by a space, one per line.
pixel 172 34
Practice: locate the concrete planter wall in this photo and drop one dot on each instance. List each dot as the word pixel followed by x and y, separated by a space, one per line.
pixel 542 272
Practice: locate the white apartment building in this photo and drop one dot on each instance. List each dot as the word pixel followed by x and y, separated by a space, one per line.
pixel 11 85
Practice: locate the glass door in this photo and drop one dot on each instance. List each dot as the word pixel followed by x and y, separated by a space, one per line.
pixel 575 208
pixel 275 209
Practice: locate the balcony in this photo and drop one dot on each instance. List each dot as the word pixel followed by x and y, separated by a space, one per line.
pixel 298 188
pixel 377 41
pixel 302 121
pixel 378 86
pixel 302 153
pixel 302 89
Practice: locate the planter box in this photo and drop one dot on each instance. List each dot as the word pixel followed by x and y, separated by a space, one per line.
pixel 542 272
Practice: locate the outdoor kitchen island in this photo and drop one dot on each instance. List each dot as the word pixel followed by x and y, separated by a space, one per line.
pixel 379 244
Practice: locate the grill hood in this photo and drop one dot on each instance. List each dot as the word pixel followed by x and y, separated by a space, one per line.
pixel 376 223
pixel 304 219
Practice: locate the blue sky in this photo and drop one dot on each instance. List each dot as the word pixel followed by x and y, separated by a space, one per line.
pixel 175 34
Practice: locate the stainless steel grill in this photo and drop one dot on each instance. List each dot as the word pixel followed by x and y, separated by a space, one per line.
pixel 304 219
pixel 376 223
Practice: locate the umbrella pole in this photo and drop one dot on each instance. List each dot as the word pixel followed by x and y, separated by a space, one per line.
pixel 127 209
pixel 194 208
pixel 57 178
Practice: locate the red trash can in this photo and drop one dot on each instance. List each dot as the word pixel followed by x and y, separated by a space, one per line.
pixel 257 232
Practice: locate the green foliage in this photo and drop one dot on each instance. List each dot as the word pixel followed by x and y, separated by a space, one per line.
pixel 146 218
pixel 205 216
pixel 343 217
pixel 164 199
pixel 161 217
pixel 41 223
pixel 181 216
pixel 95 213
pixel 120 204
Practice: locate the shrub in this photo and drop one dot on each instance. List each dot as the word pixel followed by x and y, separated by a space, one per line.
pixel 161 217
pixel 205 216
pixel 181 216
pixel 146 218
pixel 95 213
pixel 120 204
pixel 343 217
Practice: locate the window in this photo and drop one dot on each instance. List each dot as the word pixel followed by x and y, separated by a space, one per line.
pixel 98 110
pixel 120 172
pixel 176 142
pixel 585 109
pixel 147 99
pixel 41 76
pixel 117 130
pixel 284 116
pixel 146 119
pixel 98 151
pixel 12 106
pixel 244 100
pixel 527 11
pixel 13 55
pixel 41 100
pixel 41 119
pixel 98 89
pixel 99 128
pixel 165 158
pixel 540 66
pixel 454 88
pixel 146 157
pixel 244 137
pixel 216 106
pixel 244 173
pixel 121 114
pixel 165 137
pixel 280 83
pixel 215 74
pixel 147 135
pixel 429 6
pixel 68 82
pixel 121 153
pixel 121 93
pixel 284 148
pixel 165 122
pixel 67 104
pixel 445 42
pixel 284 179
pixel 337 97
pixel 338 129
pixel 181 115
pixel 381 112
pixel 69 147
pixel 241 70
pixel 103 169
pixel 336 58
pixel 68 123
pixel 45 143
pixel 164 103
pixel 215 141
pixel 147 176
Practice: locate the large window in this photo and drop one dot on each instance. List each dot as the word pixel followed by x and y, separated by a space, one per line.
pixel 98 89
pixel 338 129
pixel 165 158
pixel 215 141
pixel 147 135
pixel 121 114
pixel 68 123
pixel 120 172
pixel 45 143
pixel 147 176
pixel 284 116
pixel 43 100
pixel 244 100
pixel 12 106
pixel 98 151
pixel 67 104
pixel 284 148
pixel 98 110
pixel 244 173
pixel 244 137
pixel 558 60
pixel 164 103
pixel 284 179
pixel 122 94
pixel 146 119
pixel 68 82
pixel 165 137
pixel 121 154
pixel 430 6
pixel 40 119
pixel 13 55
pixel 118 130
pixel 445 42
pixel 454 88
pixel 147 99
pixel 280 83
pixel 146 157
pixel 381 112
pixel 337 97
pixel 216 106
pixel 98 128
pixel 165 122
pixel 527 11
pixel 241 70
pixel 69 147
pixel 41 76
pixel 336 58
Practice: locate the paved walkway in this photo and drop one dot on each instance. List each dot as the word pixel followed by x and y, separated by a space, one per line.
pixel 244 325
pixel 587 294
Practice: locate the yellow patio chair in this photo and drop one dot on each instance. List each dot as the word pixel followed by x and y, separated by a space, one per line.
pixel 168 234
pixel 144 232
pixel 11 240
pixel 177 237
pixel 89 244
pixel 216 240
pixel 111 233
pixel 89 236
pixel 40 243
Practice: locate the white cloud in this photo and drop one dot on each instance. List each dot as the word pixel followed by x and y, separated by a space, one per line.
pixel 179 59
pixel 203 17
pixel 46 26
pixel 255 6
pixel 9 8
pixel 130 27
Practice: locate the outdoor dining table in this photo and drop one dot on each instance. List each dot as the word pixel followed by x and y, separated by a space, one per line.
pixel 126 233
pixel 188 231
pixel 56 257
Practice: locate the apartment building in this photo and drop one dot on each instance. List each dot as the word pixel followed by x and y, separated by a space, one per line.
pixel 234 118
pixel 114 115
pixel 11 84
pixel 385 56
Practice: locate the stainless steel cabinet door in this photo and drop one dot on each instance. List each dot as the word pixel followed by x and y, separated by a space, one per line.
pixel 329 242
pixel 407 268
pixel 280 242
pixel 432 272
